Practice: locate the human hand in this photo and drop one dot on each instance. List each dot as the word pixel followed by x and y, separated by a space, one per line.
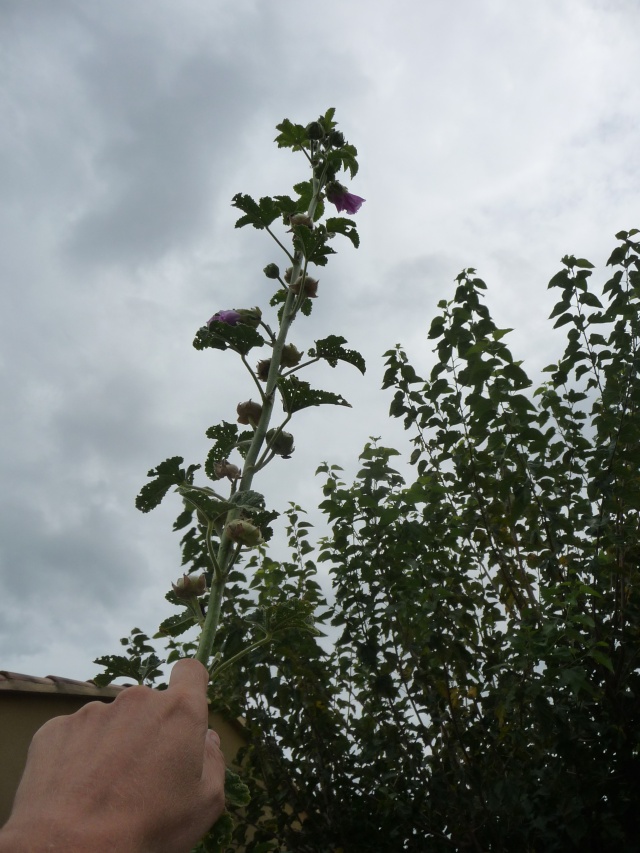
pixel 140 775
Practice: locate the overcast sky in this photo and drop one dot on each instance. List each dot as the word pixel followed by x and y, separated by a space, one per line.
pixel 498 134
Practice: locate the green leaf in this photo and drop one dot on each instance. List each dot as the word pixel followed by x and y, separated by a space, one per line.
pixel 617 256
pixel 498 334
pixel 313 244
pixel 344 158
pixel 297 395
pixel 247 500
pixel 259 214
pixel 560 279
pixel 211 506
pixel 347 227
pixel 590 299
pixel 563 320
pixel 166 474
pixel 291 135
pixel 305 192
pixel 601 658
pixel 225 436
pixel 176 625
pixel 331 350
pixel 219 837
pixel 118 666
pixel 236 793
pixel 239 338
pixel 294 614
pixel 437 327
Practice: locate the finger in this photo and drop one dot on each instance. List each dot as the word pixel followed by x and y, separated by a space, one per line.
pixel 213 773
pixel 189 674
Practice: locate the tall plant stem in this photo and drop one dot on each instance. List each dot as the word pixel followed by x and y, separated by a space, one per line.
pixel 289 311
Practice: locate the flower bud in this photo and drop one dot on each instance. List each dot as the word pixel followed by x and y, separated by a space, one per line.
pixel 262 369
pixel 249 412
pixel 290 356
pixel 314 130
pixel 230 317
pixel 244 533
pixel 249 316
pixel 224 468
pixel 336 139
pixel 271 271
pixel 300 219
pixel 280 442
pixel 310 286
pixel 189 586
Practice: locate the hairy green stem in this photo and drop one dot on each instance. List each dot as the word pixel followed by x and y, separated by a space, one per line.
pixel 221 563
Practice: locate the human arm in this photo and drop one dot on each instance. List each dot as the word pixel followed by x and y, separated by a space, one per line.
pixel 140 775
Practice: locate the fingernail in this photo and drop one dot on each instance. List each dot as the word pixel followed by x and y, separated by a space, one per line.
pixel 213 737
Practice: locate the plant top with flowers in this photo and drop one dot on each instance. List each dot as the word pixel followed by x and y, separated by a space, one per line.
pixel 226 517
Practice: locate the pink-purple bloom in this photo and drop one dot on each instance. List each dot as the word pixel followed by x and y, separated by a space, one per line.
pixel 343 200
pixel 229 317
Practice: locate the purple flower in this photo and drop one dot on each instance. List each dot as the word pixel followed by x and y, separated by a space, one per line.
pixel 343 200
pixel 229 317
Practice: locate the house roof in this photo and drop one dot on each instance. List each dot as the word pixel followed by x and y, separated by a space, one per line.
pixel 18 682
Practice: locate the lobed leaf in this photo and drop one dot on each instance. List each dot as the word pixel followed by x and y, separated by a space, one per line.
pixel 331 350
pixel 297 395
pixel 166 474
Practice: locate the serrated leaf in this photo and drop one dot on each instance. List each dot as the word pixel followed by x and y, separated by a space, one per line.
pixel 278 297
pixel 176 625
pixel 344 158
pixel 259 214
pixel 118 666
pixel 248 500
pixel 291 135
pixel 219 837
pixel 166 474
pixel 235 791
pixel 209 505
pixel 225 436
pixel 347 227
pixel 331 350
pixel 313 244
pixel 287 205
pixel 305 193
pixel 297 395
pixel 328 122
pixel 222 336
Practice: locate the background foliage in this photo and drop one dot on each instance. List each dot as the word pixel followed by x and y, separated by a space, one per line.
pixel 484 691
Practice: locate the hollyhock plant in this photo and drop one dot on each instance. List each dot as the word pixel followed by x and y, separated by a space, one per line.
pixel 230 317
pixel 222 520
pixel 344 200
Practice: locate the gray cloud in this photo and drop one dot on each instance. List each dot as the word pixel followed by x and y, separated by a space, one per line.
pixel 489 137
